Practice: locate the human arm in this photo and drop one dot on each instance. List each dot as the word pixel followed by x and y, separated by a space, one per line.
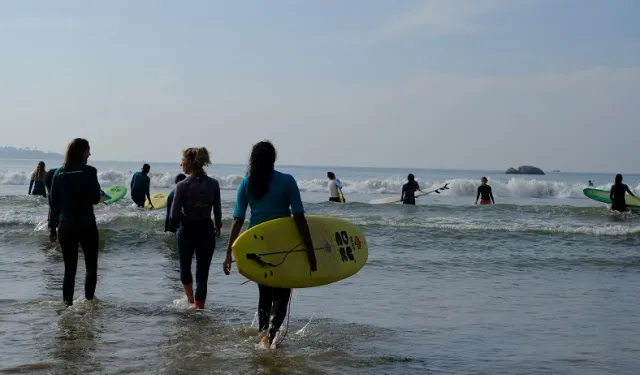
pixel 629 191
pixel 167 219
pixel 239 213
pixel 611 194
pixel 491 195
pixel 94 190
pixel 297 209
pixel 133 181
pixel 418 187
pixel 402 193
pixel 30 186
pixel 176 207
pixel 147 191
pixel 477 195
pixel 217 209
pixel 54 209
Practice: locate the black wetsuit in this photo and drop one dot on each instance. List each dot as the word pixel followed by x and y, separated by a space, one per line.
pixel 409 189
pixel 140 183
pixel 484 193
pixel 74 191
pixel 618 203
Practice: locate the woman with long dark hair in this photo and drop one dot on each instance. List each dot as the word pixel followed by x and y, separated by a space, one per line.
pixel 617 194
pixel 194 199
pixel 74 191
pixel 271 195
pixel 37 184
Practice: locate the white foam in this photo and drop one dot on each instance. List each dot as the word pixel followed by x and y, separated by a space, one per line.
pixel 513 187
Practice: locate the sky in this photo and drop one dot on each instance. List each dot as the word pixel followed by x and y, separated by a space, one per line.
pixel 471 84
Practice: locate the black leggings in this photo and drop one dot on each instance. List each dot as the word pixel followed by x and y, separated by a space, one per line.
pixel 70 236
pixel 335 199
pixel 276 299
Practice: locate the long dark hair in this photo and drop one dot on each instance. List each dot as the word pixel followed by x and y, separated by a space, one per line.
pixel 618 179
pixel 75 151
pixel 263 157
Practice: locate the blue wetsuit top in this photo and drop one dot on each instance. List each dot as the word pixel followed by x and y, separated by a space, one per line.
pixel 281 200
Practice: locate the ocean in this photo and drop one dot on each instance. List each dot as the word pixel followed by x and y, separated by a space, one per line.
pixel 544 282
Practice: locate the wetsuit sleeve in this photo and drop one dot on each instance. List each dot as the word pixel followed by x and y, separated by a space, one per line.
pixel 176 205
pixel 169 203
pixel 628 190
pixel 491 195
pixel 294 197
pixel 242 201
pixel 148 186
pixel 478 194
pixel 54 203
pixel 611 192
pixel 30 186
pixel 94 186
pixel 217 206
pixel 133 181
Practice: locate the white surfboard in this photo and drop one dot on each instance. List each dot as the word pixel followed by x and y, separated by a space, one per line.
pixel 396 197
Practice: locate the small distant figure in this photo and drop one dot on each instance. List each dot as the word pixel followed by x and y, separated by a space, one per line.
pixel 484 193
pixel 37 186
pixel 169 226
pixel 408 195
pixel 617 194
pixel 590 183
pixel 140 183
pixel 335 189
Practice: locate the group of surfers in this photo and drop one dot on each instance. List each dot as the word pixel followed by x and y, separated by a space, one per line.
pixel 195 213
pixel 269 194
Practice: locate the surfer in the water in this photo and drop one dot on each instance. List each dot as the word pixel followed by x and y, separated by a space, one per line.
pixel 168 225
pixel 590 183
pixel 74 191
pixel 37 186
pixel 617 194
pixel 194 199
pixel 270 195
pixel 335 188
pixel 408 195
pixel 484 193
pixel 140 183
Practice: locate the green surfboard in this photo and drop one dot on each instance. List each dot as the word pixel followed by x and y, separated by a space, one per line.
pixel 115 193
pixel 603 196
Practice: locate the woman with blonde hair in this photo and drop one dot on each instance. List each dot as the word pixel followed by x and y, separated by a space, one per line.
pixel 194 199
pixel 74 191
pixel 36 186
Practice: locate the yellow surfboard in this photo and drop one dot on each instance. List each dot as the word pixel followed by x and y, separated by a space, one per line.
pixel 159 200
pixel 273 254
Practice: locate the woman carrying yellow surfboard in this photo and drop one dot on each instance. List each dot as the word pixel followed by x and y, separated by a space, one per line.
pixel 271 195
pixel 335 188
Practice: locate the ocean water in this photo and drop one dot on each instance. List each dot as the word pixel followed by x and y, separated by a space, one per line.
pixel 544 282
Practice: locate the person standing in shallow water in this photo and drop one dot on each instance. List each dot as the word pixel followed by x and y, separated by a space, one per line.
pixel 270 195
pixel 617 194
pixel 37 184
pixel 140 183
pixel 194 199
pixel 408 195
pixel 484 193
pixel 74 191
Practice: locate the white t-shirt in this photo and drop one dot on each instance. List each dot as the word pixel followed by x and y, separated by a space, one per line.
pixel 333 188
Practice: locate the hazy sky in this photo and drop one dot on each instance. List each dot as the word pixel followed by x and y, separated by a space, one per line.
pixel 444 83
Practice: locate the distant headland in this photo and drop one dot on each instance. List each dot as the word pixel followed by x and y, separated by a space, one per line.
pixel 26 153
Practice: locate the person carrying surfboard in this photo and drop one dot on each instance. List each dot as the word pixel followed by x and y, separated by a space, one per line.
pixel 617 194
pixel 195 198
pixel 335 189
pixel 140 183
pixel 409 190
pixel 484 193
pixel 74 191
pixel 168 225
pixel 271 195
